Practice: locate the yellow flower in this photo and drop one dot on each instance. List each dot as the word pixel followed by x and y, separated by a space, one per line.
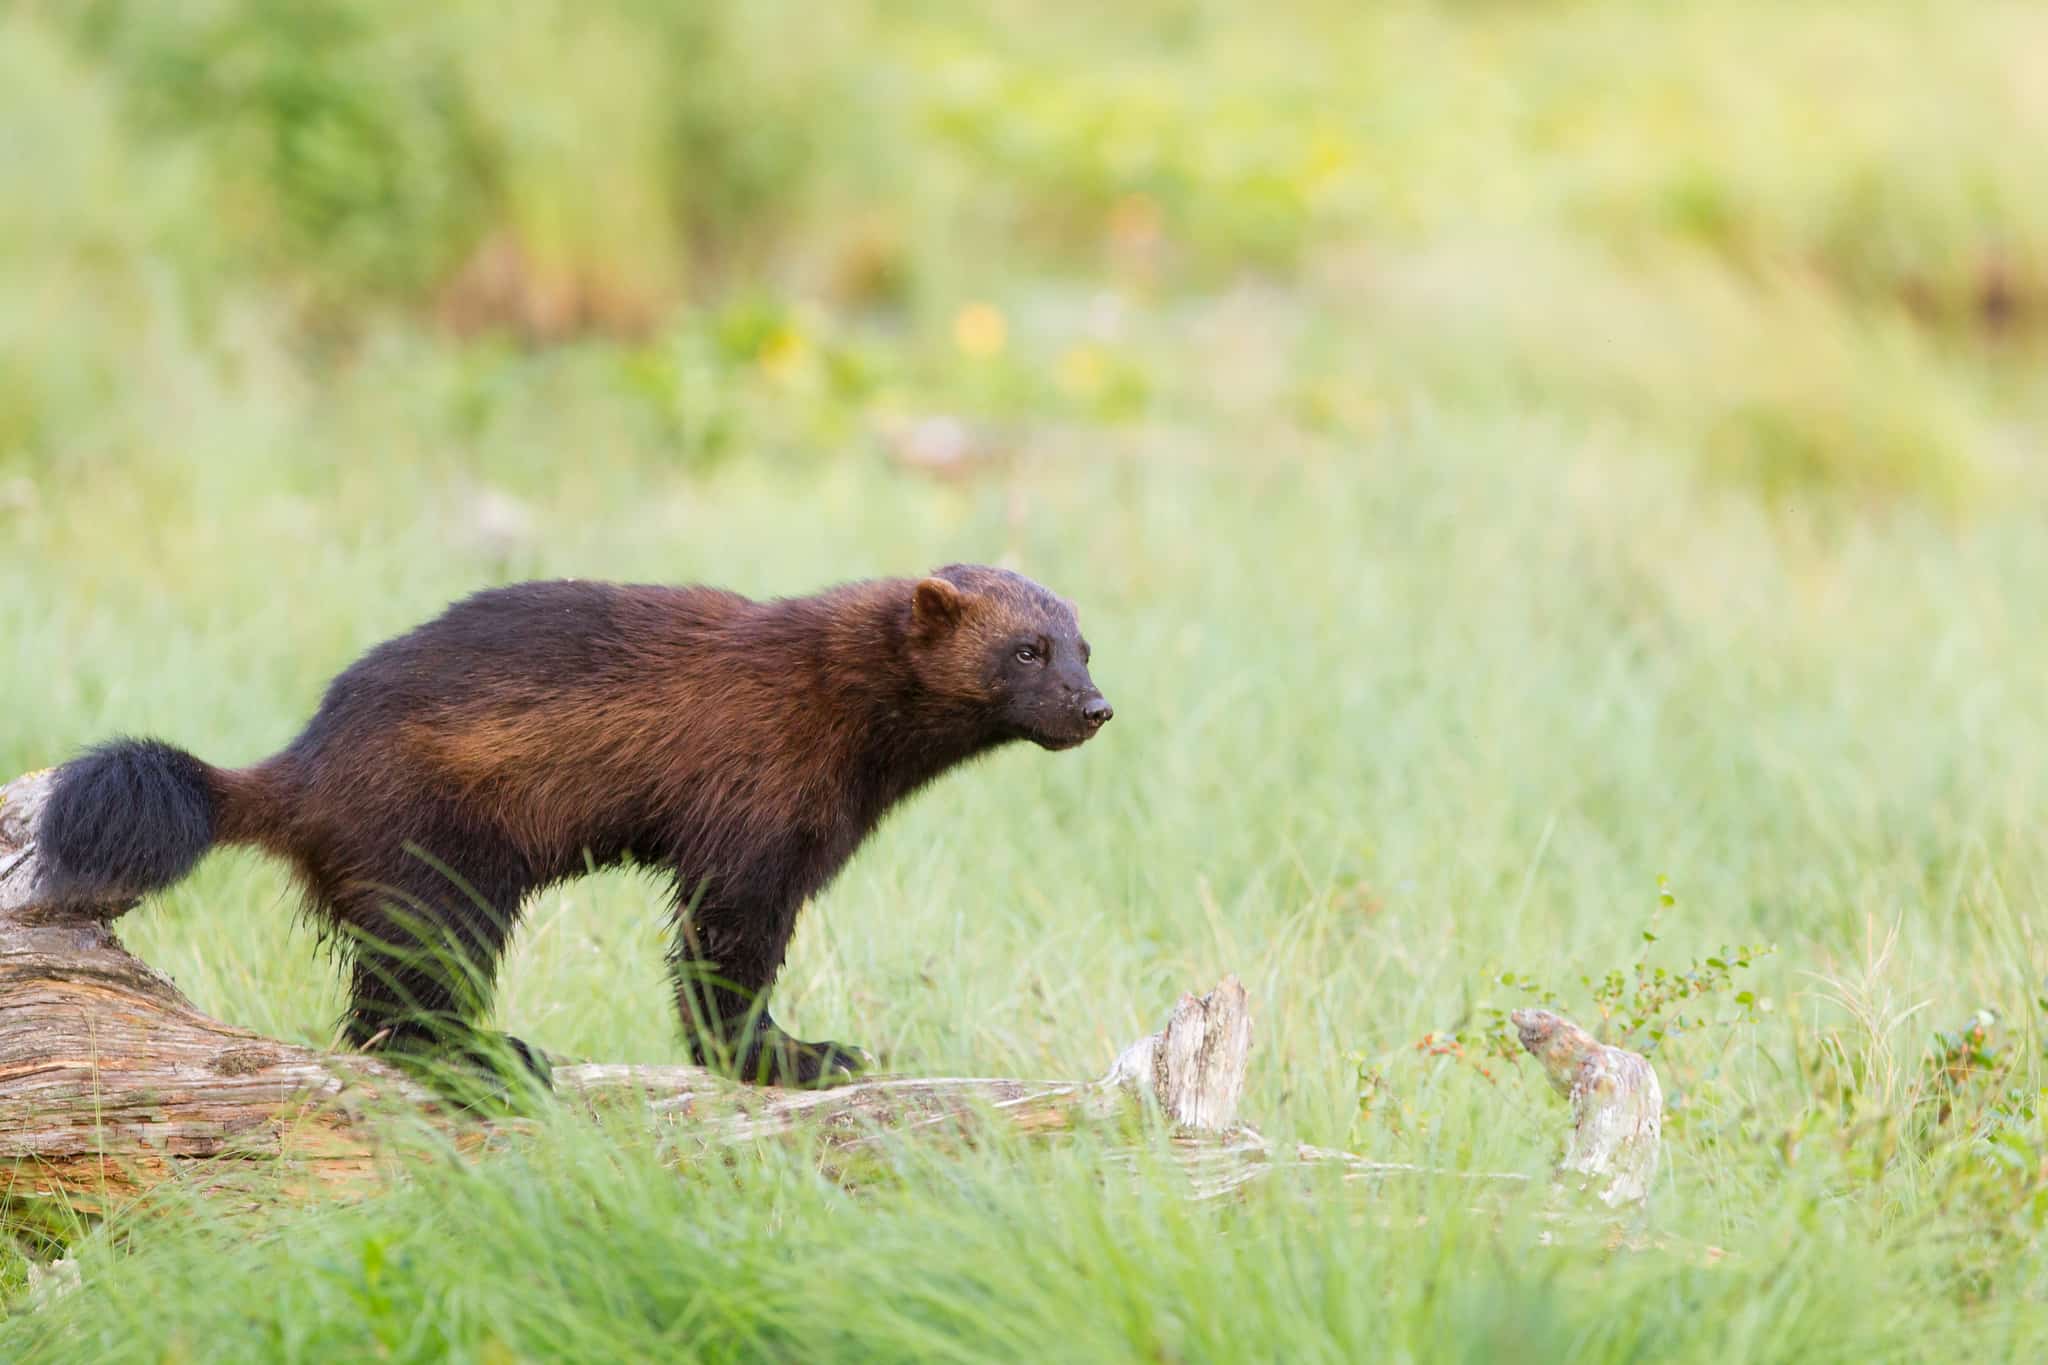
pixel 1083 373
pixel 783 353
pixel 1328 161
pixel 979 330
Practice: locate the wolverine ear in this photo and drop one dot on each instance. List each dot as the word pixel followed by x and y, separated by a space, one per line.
pixel 936 605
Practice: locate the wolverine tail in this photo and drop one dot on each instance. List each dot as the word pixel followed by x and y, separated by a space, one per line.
pixel 129 817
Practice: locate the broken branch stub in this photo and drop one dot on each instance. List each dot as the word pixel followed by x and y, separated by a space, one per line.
pixel 1617 1105
pixel 21 807
pixel 1195 1066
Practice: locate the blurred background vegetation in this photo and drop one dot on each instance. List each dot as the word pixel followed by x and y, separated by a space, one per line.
pixel 1505 453
pixel 1801 245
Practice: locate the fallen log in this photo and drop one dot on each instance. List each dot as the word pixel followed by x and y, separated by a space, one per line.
pixel 112 1082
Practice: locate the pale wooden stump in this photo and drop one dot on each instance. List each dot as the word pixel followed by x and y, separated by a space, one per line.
pixel 1617 1105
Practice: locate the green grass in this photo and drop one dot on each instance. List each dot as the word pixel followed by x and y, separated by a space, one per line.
pixel 1393 716
pixel 1573 482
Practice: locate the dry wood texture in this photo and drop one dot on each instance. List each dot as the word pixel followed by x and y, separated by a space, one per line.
pixel 1617 1105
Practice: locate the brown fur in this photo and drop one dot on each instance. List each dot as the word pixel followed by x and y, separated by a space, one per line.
pixel 533 732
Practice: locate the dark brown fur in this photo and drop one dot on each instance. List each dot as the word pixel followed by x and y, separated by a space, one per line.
pixel 534 732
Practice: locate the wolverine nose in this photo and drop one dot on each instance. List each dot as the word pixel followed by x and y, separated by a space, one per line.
pixel 1097 710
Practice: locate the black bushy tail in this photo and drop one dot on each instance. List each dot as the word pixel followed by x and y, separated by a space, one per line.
pixel 127 818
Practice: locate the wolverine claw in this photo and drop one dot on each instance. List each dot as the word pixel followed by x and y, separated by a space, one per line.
pixel 532 1059
pixel 822 1064
pixel 473 1067
pixel 772 1057
pixel 830 1063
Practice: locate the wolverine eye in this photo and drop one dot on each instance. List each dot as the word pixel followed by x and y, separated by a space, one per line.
pixel 1026 654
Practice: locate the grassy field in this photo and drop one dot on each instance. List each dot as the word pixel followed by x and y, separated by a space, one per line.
pixel 1553 491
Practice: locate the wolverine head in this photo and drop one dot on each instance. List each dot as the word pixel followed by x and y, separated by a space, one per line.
pixel 1001 640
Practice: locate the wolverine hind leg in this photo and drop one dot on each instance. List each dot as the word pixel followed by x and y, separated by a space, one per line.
pixel 424 948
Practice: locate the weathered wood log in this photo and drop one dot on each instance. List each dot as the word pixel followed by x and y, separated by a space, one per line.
pixel 111 1081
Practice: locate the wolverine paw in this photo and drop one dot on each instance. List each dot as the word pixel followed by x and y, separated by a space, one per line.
pixel 831 1062
pixel 530 1062
pixel 772 1057
pixel 474 1068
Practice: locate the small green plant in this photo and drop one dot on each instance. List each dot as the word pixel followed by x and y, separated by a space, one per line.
pixel 1637 1006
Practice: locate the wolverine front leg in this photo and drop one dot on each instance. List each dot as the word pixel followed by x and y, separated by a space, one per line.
pixel 726 955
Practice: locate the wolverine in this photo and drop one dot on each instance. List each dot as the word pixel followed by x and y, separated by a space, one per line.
pixel 742 749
